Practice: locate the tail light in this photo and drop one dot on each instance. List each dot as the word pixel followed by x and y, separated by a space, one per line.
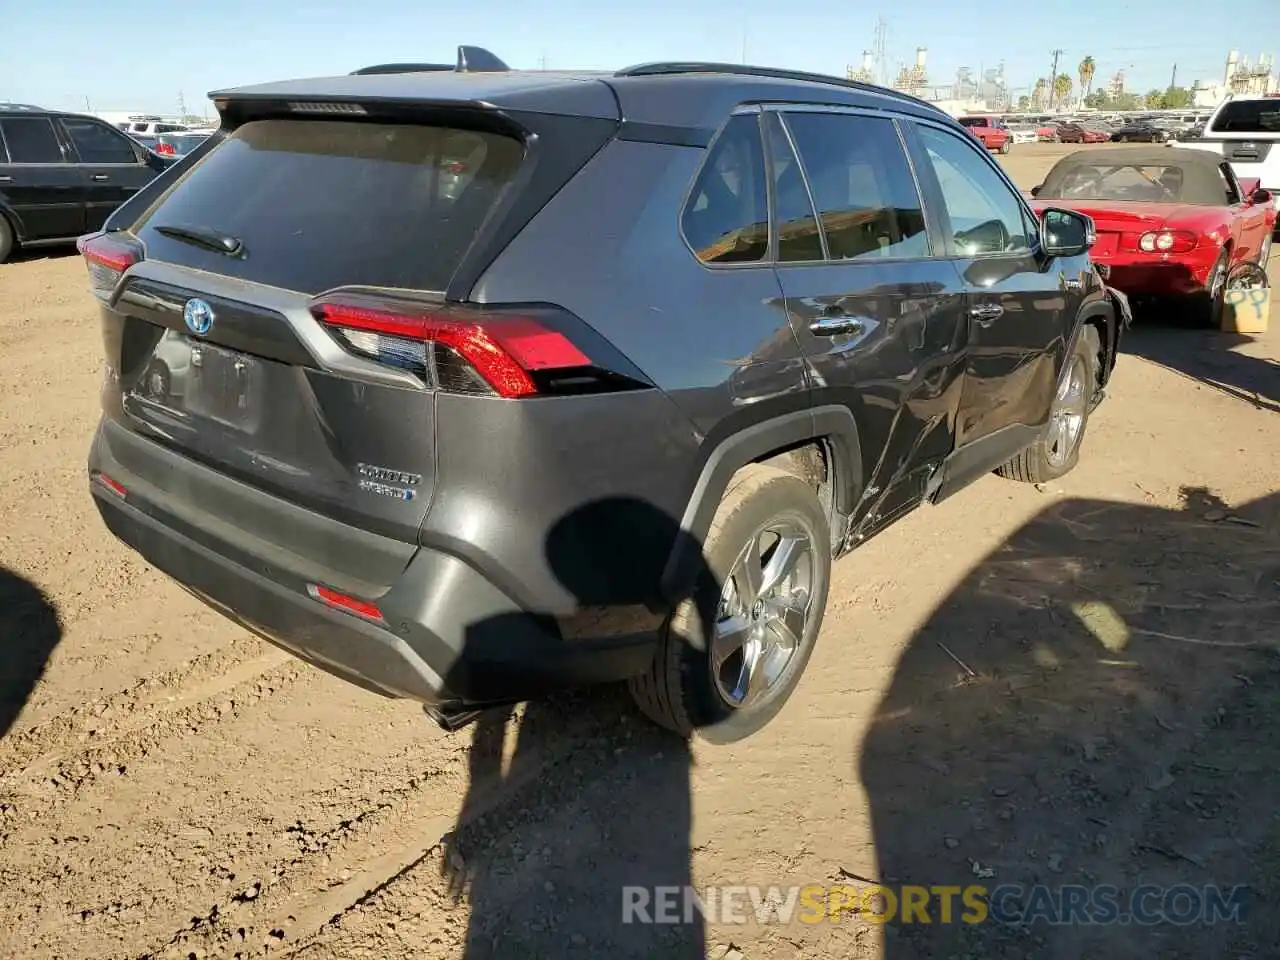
pixel 1168 241
pixel 461 348
pixel 107 258
pixel 165 150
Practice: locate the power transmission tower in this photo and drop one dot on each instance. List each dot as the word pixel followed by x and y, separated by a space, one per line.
pixel 182 105
pixel 1053 78
pixel 881 53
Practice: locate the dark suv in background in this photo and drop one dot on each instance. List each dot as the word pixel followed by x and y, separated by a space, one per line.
pixel 468 384
pixel 63 174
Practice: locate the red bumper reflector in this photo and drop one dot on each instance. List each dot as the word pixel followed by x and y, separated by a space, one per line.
pixel 113 485
pixel 340 601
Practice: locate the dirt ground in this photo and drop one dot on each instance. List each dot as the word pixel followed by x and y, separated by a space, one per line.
pixel 1070 685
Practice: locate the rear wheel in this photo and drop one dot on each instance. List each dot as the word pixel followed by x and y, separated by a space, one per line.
pixel 1216 290
pixel 6 239
pixel 1006 146
pixel 1056 451
pixel 732 655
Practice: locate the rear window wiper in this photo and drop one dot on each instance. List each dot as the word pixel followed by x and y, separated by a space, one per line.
pixel 205 237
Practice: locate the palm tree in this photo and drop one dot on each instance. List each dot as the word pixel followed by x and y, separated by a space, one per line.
pixel 1037 95
pixel 1086 68
pixel 1061 87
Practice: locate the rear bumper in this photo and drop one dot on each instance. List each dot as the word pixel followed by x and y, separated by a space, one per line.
pixel 449 637
pixel 1161 278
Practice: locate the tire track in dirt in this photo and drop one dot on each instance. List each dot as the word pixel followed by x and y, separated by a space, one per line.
pixel 341 861
pixel 47 782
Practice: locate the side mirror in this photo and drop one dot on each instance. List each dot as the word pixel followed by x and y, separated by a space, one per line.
pixel 1261 196
pixel 1065 233
pixel 1035 191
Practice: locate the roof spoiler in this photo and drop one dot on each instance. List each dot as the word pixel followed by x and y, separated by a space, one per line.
pixel 470 60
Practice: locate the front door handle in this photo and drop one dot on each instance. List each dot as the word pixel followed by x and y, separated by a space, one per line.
pixel 985 314
pixel 838 325
pixel 99 177
pixel 6 179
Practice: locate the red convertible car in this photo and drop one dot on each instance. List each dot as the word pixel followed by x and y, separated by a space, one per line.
pixel 1169 222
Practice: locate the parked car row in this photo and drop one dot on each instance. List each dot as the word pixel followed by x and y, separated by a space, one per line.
pixel 63 174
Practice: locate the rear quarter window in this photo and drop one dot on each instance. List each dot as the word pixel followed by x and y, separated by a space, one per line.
pixel 1249 116
pixel 319 203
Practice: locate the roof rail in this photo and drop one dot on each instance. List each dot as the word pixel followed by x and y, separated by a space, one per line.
pixel 20 106
pixel 674 68
pixel 470 60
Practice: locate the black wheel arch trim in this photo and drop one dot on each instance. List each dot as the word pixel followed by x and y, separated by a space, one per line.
pixel 833 424
pixel 13 221
pixel 1100 309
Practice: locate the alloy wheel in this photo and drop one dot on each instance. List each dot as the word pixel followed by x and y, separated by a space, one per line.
pixel 763 616
pixel 1067 416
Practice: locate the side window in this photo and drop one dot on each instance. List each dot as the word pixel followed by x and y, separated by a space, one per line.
pixel 98 143
pixel 862 186
pixel 986 215
pixel 799 238
pixel 1232 184
pixel 31 140
pixel 727 217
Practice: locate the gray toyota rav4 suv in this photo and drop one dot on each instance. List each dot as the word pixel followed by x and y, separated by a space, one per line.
pixel 468 384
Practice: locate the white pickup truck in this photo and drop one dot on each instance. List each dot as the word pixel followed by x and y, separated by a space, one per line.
pixel 1245 129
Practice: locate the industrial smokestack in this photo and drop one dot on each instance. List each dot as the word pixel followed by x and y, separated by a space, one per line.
pixel 921 54
pixel 1232 58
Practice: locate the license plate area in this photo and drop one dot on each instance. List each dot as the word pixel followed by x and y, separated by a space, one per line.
pixel 224 386
pixel 1105 245
pixel 192 379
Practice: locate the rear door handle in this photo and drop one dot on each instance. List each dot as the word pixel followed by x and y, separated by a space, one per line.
pixel 99 177
pixel 985 314
pixel 838 325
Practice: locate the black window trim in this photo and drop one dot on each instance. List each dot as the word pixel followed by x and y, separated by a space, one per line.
pixel 66 161
pixel 933 238
pixel 775 226
pixel 71 142
pixel 769 259
pixel 935 191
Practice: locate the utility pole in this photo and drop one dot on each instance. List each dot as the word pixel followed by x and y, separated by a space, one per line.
pixel 1053 77
pixel 542 61
pixel 87 108
pixel 1173 80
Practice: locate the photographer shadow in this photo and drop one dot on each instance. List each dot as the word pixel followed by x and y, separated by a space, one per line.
pixel 1094 705
pixel 574 798
pixel 29 631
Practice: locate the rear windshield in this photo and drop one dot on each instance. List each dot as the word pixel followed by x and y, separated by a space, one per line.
pixel 1249 116
pixel 320 203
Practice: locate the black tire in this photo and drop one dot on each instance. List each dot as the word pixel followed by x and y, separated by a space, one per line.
pixel 1210 311
pixel 6 239
pixel 1039 463
pixel 1120 139
pixel 680 690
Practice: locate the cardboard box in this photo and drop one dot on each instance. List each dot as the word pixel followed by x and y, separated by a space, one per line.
pixel 1246 311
